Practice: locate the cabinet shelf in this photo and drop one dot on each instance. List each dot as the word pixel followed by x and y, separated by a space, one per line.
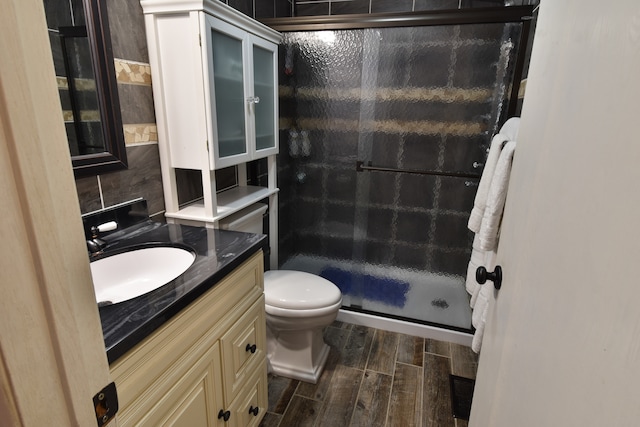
pixel 229 78
pixel 229 202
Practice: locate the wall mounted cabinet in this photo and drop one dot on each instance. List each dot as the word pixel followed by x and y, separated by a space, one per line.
pixel 215 87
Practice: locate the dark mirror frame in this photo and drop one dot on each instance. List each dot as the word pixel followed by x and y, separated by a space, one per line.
pixel 115 155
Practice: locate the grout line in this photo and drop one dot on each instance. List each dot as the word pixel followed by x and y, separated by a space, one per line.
pixel 288 404
pixel 450 361
pixel 353 412
pixel 393 381
pixel 420 394
pixel 100 192
pixel 436 354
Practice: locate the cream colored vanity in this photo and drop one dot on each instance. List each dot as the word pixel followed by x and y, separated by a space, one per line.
pixel 204 367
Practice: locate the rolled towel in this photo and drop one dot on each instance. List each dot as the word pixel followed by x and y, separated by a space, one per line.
pixel 480 202
pixel 488 234
pixel 510 128
pixel 481 302
pixel 476 260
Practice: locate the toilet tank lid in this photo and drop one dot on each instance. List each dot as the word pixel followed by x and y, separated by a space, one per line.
pixel 297 290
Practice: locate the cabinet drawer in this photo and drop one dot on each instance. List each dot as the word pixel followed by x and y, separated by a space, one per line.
pixel 244 348
pixel 252 396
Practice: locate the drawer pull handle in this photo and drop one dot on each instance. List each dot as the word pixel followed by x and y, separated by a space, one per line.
pixel 225 415
pixel 254 410
pixel 251 348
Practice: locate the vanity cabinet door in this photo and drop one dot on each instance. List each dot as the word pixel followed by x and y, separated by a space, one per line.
pixel 194 400
pixel 244 349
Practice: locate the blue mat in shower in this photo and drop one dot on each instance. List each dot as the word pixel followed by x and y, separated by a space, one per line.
pixel 381 289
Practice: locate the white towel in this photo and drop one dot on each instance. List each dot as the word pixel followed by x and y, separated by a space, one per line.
pixel 488 234
pixel 510 128
pixel 480 202
pixel 481 303
pixel 485 244
pixel 477 259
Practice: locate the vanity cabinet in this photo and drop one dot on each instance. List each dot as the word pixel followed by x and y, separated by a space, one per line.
pixel 215 91
pixel 204 367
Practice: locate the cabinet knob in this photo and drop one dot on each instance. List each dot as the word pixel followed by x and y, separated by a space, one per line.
pixel 254 410
pixel 251 347
pixel 253 100
pixel 225 415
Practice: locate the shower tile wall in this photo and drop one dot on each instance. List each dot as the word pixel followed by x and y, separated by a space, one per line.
pixel 342 7
pixel 432 106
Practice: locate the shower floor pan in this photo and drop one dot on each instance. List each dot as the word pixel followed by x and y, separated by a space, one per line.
pixel 390 291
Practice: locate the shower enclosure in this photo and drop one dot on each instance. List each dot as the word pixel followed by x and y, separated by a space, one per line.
pixel 385 121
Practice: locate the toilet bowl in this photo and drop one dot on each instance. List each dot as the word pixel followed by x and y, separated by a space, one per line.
pixel 298 306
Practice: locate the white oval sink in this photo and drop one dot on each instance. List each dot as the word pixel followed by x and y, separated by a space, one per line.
pixel 130 274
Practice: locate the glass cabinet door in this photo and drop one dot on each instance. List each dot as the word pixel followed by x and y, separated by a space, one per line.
pixel 243 97
pixel 226 78
pixel 265 96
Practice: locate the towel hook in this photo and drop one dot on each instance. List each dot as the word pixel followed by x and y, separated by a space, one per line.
pixel 496 277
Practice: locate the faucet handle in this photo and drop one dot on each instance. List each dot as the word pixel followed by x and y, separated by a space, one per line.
pixel 107 226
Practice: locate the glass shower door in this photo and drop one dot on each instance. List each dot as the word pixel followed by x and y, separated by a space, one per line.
pixel 398 121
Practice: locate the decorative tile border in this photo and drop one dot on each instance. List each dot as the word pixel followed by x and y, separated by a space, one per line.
pixel 85 116
pixel 423 127
pixel 523 89
pixel 81 84
pixel 412 94
pixel 131 72
pixel 140 133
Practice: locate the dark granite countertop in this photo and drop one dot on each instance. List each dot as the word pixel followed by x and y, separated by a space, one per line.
pixel 218 252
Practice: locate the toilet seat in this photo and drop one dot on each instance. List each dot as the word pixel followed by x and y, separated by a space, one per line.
pixel 288 291
pixel 311 312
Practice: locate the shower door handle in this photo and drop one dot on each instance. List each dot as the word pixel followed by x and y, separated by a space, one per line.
pixel 482 275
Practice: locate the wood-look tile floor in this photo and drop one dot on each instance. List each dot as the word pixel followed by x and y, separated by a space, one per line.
pixel 374 378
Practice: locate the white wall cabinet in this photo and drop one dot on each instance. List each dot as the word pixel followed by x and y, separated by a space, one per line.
pixel 215 91
pixel 205 367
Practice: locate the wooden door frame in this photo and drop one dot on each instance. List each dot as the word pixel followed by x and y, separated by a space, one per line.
pixel 52 358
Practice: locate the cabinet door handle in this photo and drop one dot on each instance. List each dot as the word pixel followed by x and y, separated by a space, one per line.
pixel 225 415
pixel 254 410
pixel 251 348
pixel 253 100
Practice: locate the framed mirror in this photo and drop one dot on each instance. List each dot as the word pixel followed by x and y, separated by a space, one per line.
pixel 85 73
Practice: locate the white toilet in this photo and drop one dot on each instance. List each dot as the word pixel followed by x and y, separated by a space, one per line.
pixel 298 306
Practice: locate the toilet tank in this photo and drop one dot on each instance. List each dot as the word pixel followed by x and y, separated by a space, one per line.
pixel 248 219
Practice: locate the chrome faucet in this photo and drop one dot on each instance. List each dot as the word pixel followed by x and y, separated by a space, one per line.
pixel 95 245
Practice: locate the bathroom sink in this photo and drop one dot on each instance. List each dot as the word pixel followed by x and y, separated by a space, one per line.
pixel 127 275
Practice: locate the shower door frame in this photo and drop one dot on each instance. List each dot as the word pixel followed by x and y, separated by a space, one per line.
pixel 511 14
pixel 490 15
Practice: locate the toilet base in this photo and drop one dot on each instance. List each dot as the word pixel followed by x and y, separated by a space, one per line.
pixel 299 355
pixel 296 373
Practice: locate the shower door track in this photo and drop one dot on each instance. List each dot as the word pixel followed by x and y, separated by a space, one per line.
pixel 490 15
pixel 360 167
